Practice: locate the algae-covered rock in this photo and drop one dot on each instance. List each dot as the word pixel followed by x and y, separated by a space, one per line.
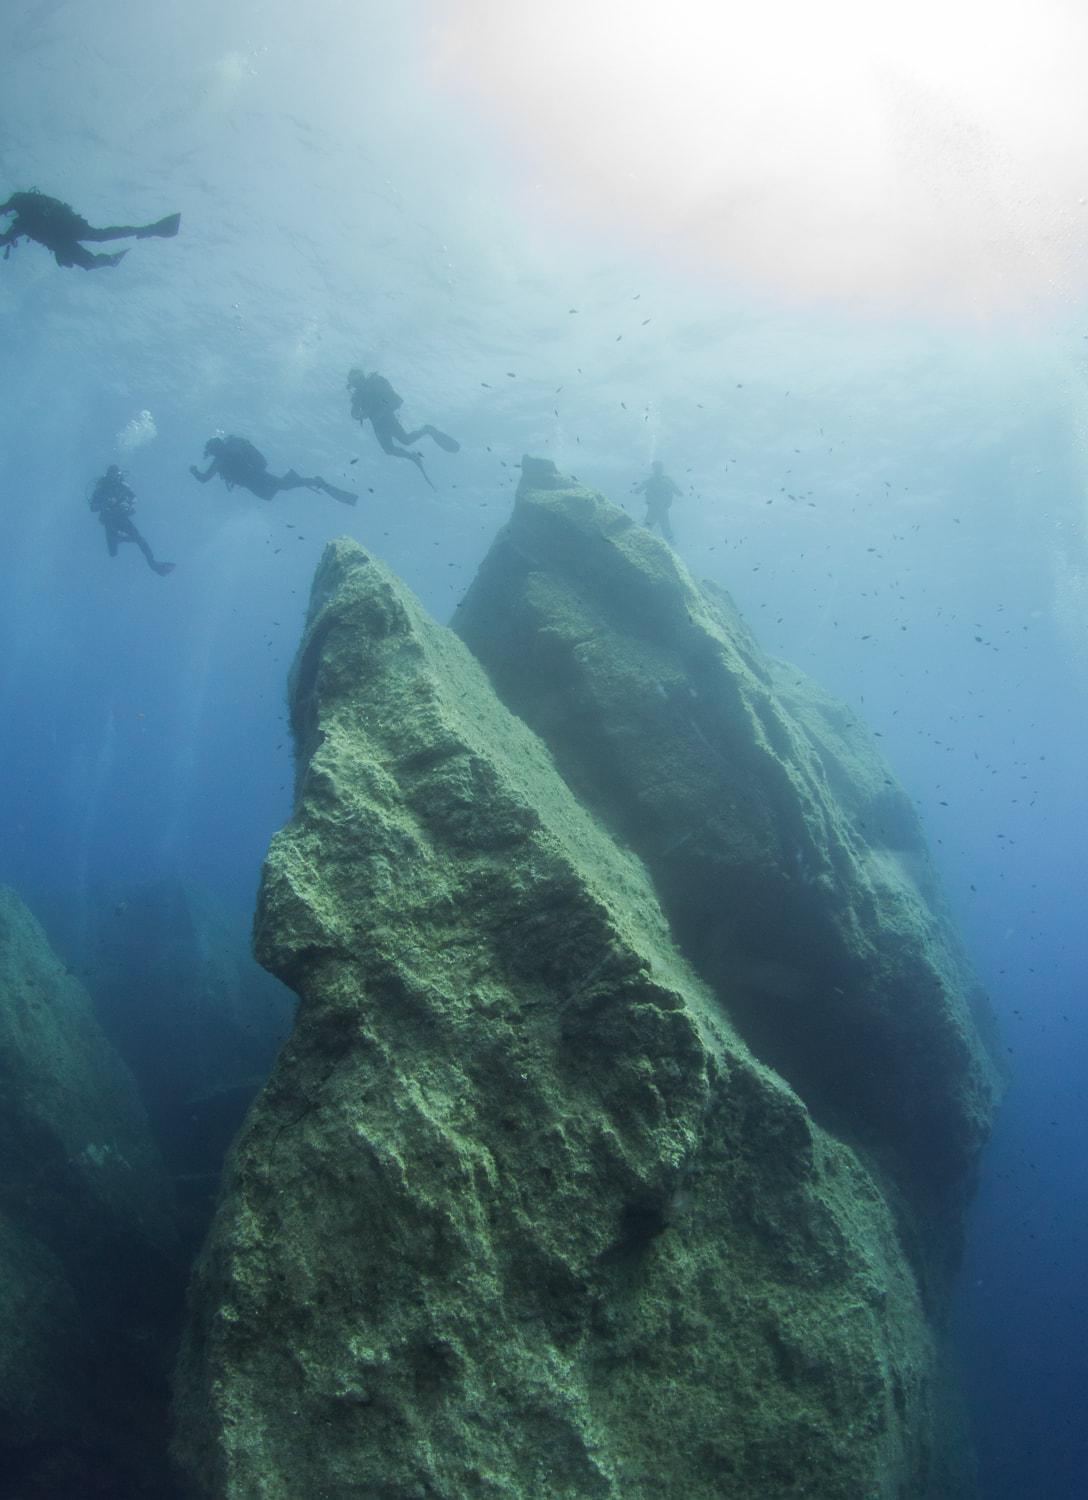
pixel 791 865
pixel 518 1214
pixel 90 1279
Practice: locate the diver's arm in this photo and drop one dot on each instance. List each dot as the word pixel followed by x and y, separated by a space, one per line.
pixel 209 473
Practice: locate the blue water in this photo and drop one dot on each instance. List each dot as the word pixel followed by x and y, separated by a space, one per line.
pixel 888 475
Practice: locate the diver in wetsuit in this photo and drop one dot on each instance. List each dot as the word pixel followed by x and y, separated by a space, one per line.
pixel 375 401
pixel 115 503
pixel 59 228
pixel 237 461
pixel 660 491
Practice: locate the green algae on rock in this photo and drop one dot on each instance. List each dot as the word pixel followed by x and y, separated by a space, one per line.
pixel 790 864
pixel 518 1214
pixel 90 1277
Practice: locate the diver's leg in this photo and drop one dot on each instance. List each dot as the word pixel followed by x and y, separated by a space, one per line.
pixel 114 232
pixel 129 533
pixel 346 497
pixel 388 431
pixel 76 255
pixel 385 429
pixel 293 481
pixel 164 228
pixel 135 536
pixel 443 439
pixel 267 486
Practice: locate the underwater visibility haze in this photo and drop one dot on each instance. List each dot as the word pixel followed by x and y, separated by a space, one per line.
pixel 827 268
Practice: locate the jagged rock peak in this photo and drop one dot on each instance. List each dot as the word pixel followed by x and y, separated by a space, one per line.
pixel 790 863
pixel 518 1212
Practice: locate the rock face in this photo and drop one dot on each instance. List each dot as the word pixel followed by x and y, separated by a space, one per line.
pixel 177 992
pixel 790 864
pixel 90 1277
pixel 519 1213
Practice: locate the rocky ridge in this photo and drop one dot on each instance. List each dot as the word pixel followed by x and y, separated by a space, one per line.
pixel 521 1211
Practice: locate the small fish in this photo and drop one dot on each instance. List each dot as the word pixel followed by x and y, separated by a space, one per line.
pixel 646 320
pixel 353 460
pixel 485 385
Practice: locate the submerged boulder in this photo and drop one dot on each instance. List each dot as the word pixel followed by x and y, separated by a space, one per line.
pixel 518 1212
pixel 790 864
pixel 90 1275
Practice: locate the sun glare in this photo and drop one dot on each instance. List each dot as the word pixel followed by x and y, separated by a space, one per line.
pixel 928 155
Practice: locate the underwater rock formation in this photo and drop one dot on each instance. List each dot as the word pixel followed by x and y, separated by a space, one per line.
pixel 176 989
pixel 90 1276
pixel 790 864
pixel 518 1212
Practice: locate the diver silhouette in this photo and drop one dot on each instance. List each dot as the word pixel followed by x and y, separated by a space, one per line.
pixel 374 400
pixel 59 228
pixel 660 491
pixel 238 462
pixel 115 504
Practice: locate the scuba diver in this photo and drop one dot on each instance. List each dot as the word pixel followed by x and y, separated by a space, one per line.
pixel 375 401
pixel 660 491
pixel 115 503
pixel 59 228
pixel 237 461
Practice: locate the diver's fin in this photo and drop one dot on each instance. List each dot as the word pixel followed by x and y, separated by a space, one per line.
pixel 419 465
pixel 165 229
pixel 444 440
pixel 344 496
pixel 162 568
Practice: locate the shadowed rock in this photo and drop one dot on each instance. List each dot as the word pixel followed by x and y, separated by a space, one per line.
pixel 791 865
pixel 518 1213
pixel 177 992
pixel 90 1274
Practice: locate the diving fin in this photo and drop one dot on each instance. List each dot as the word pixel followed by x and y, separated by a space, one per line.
pixel 419 465
pixel 165 229
pixel 344 496
pixel 444 440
